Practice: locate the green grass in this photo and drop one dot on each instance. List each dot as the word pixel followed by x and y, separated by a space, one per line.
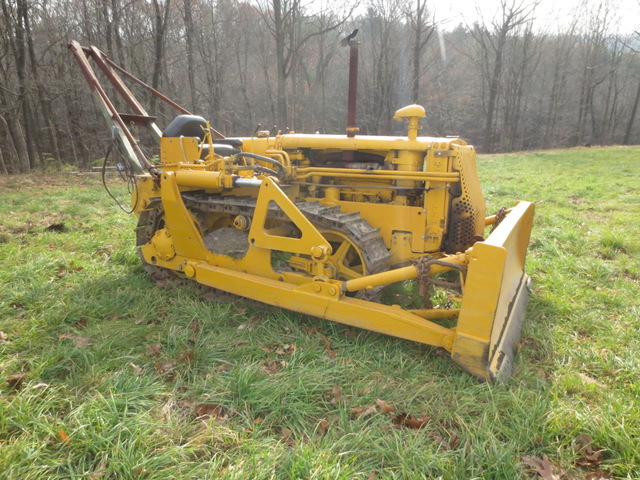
pixel 124 379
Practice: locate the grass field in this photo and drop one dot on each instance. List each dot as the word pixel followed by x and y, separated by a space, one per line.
pixel 105 375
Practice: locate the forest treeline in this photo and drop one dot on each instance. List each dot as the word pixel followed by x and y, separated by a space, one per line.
pixel 503 83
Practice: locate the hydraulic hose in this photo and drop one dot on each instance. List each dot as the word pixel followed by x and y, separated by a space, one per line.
pixel 281 171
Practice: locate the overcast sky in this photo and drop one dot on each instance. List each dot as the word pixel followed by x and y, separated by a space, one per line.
pixel 556 12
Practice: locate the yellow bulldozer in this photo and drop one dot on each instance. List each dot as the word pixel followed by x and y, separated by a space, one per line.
pixel 334 226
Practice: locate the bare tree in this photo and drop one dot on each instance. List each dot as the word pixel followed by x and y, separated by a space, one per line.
pixel 292 24
pixel 189 33
pixel 524 51
pixel 161 17
pixel 492 40
pixel 558 97
pixel 382 33
pixel 636 100
pixel 422 25
pixel 594 57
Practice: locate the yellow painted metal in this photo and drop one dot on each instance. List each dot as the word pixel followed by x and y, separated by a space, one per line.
pixel 436 201
pixel 401 274
pixel 304 173
pixel 464 161
pixel 417 198
pixel 212 181
pixel 400 247
pixel 184 233
pixel 405 219
pixel 142 195
pixel 412 114
pixel 495 295
pixel 178 149
pixel 437 313
pixel 323 299
pixel 424 183
pixel 163 245
pixel 310 241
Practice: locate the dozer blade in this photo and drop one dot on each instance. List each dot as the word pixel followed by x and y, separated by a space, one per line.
pixel 495 299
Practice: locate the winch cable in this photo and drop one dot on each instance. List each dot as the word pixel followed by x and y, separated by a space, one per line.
pixel 129 176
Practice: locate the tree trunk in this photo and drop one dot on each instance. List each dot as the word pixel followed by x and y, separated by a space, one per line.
pixel 21 60
pixel 281 63
pixel 3 167
pixel 189 36
pixel 632 118
pixel 43 100
pixel 494 84
pixel 11 160
pixel 160 25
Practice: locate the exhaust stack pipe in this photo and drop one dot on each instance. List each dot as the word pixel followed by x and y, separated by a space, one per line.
pixel 349 41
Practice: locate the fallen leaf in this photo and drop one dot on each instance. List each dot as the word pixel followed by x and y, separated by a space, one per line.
pixel 207 410
pixel 136 369
pixel 312 330
pixel 335 395
pixel 586 379
pixel 286 435
pixel 141 472
pixel 529 342
pixel 323 426
pixel 543 467
pixel 99 473
pixel 599 475
pixel 589 456
pixel 271 366
pixel 154 350
pixel 373 475
pixel 258 420
pixel 17 381
pixel 39 385
pixel 187 403
pixel 366 391
pixel 3 337
pixel 350 334
pixel 543 374
pixel 165 367
pixel 454 440
pixel 82 342
pixel 194 326
pixel 409 421
pixel 63 436
pixel 446 443
pixel 327 347
pixel 384 406
pixel 82 322
pixel 187 357
pixel 223 368
pixel 364 411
